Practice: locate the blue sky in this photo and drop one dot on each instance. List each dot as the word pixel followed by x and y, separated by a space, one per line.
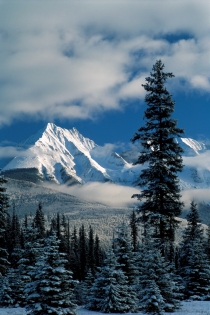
pixel 82 63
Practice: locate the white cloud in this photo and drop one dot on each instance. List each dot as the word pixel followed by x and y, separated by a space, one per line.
pixel 76 59
pixel 199 195
pixel 200 162
pixel 201 81
pixel 105 193
pixel 10 151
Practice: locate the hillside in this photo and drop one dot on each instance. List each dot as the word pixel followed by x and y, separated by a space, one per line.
pixel 26 196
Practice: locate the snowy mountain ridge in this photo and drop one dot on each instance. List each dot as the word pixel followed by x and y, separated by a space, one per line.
pixel 65 156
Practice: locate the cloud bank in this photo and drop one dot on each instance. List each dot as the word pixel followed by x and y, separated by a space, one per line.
pixel 77 59
pixel 105 193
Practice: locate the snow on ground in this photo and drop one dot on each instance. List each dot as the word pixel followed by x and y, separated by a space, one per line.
pixel 12 311
pixel 188 308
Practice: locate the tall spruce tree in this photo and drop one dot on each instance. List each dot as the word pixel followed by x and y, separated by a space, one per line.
pixel 4 204
pixel 162 155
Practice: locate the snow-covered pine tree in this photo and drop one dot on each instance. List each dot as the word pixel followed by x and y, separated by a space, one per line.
pixel 33 249
pixel 51 291
pixel 123 250
pixel 10 296
pixel 110 292
pixel 157 289
pixel 82 289
pixel 194 262
pixel 162 154
pixel 151 300
pixel 4 204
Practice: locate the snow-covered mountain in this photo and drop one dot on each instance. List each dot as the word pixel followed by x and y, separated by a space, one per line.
pixel 65 156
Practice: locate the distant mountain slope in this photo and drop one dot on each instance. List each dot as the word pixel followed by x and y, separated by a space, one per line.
pixel 26 197
pixel 65 156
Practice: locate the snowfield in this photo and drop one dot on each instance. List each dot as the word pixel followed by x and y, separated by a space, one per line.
pixel 190 308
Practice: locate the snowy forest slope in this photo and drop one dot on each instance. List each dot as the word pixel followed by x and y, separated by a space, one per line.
pixel 26 196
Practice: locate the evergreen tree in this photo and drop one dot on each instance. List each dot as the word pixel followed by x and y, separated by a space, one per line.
pixel 134 230
pixel 110 292
pixel 51 289
pixel 82 289
pixel 58 225
pixel 39 221
pixel 157 289
pixel 124 252
pixel 98 252
pixel 91 256
pixel 8 236
pixel 64 236
pixel 15 239
pixel 33 249
pixel 161 191
pixel 83 251
pixel 151 300
pixel 11 288
pixel 194 262
pixel 4 204
pixel 74 255
pixel 208 241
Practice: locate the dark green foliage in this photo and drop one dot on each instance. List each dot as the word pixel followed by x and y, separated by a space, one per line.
pixel 74 255
pixel 194 262
pixel 15 240
pixel 83 253
pixel 162 155
pixel 91 256
pixel 124 252
pixel 39 221
pixel 208 241
pixel 4 204
pixel 98 252
pixel 134 230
